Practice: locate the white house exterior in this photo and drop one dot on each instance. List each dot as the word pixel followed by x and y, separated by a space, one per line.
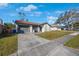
pixel 32 27
pixel 55 27
pixel 46 27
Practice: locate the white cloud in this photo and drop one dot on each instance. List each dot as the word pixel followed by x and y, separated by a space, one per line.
pixel 51 19
pixel 19 9
pixel 28 8
pixel 3 4
pixel 37 13
pixel 59 12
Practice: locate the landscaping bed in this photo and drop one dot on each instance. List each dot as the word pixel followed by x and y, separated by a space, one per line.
pixel 54 34
pixel 74 42
pixel 8 44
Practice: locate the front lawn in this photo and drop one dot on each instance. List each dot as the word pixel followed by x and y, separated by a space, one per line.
pixel 74 42
pixel 8 45
pixel 54 34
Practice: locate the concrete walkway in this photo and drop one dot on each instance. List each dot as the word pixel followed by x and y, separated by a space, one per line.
pixel 31 45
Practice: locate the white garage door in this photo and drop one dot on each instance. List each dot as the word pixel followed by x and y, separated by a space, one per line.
pixel 25 30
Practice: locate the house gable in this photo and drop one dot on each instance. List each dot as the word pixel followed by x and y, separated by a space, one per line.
pixel 46 27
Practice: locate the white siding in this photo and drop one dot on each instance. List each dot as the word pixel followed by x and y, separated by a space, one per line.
pixel 31 29
pixel 55 28
pixel 16 27
pixel 46 27
pixel 38 28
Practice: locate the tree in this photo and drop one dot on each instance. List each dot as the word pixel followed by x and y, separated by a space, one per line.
pixel 64 18
pixel 22 15
pixel 9 25
pixel 59 18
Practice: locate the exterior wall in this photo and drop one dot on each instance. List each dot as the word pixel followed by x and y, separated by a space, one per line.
pixel 38 28
pixel 55 28
pixel 16 28
pixel 31 28
pixel 46 27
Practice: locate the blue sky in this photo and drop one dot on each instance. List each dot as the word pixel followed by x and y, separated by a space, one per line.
pixel 38 12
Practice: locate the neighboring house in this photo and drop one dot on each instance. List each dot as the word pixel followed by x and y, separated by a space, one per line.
pixel 45 27
pixel 1 26
pixel 32 27
pixel 55 27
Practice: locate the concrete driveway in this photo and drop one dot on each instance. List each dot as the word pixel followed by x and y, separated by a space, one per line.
pixel 32 45
pixel 29 40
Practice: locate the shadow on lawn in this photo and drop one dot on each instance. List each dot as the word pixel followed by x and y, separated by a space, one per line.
pixel 11 34
pixel 6 35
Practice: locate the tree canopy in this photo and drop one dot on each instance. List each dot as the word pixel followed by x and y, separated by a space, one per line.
pixel 69 18
pixel 9 25
pixel 64 17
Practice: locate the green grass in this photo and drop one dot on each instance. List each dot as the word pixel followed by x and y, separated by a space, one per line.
pixel 54 34
pixel 74 42
pixel 8 45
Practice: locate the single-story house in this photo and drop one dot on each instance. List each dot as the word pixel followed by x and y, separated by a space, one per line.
pixel 56 27
pixel 32 27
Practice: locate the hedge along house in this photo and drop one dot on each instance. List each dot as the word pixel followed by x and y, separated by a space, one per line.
pixel 32 27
